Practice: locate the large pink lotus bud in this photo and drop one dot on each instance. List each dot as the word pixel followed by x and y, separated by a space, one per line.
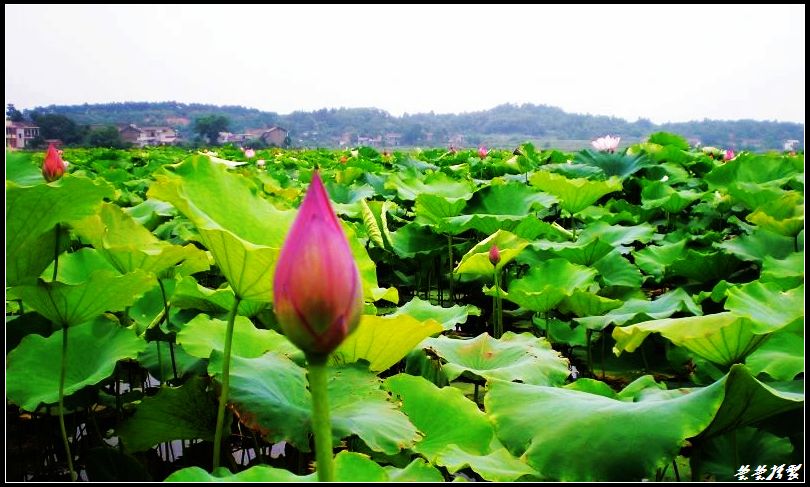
pixel 494 255
pixel 317 293
pixel 250 153
pixel 729 155
pixel 53 167
pixel 482 151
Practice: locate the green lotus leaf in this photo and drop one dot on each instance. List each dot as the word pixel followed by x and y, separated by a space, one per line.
pixel 76 267
pixel 383 341
pixel 766 304
pixel 368 271
pixel 752 168
pixel 654 259
pixel 754 195
pixel 548 283
pixel 349 467
pixel 722 338
pixel 721 457
pixel 669 139
pixel 436 210
pixel 513 198
pixel 32 214
pixel 245 248
pixel 514 357
pixel 476 261
pixel 661 195
pixel 781 356
pixel 410 184
pixel 375 220
pixel 612 164
pixel 412 240
pixel 583 303
pixel 149 212
pixel 758 245
pixel 704 266
pixel 615 270
pixel 73 304
pixel 574 194
pixel 784 216
pixel 787 272
pixel 188 294
pixel 545 424
pixel 456 433
pixel 21 170
pixel 582 252
pixel 270 393
pixel 32 373
pixel 634 310
pixel 550 427
pixel 447 317
pixel 202 335
pixel 618 235
pixel 127 244
pixel 748 401
pixel 187 412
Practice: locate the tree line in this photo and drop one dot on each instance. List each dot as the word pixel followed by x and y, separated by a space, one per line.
pixel 326 127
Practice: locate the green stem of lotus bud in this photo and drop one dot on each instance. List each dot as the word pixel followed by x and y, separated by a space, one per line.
pixel 497 304
pixel 62 373
pixel 321 427
pixel 226 380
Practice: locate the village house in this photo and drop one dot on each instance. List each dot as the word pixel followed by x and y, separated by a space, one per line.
pixel 273 136
pixel 791 145
pixel 19 134
pixel 143 136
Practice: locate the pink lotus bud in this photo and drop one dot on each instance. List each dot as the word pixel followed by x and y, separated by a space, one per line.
pixel 317 293
pixel 343 159
pixel 729 155
pixel 53 167
pixel 606 143
pixel 482 152
pixel 494 255
pixel 250 153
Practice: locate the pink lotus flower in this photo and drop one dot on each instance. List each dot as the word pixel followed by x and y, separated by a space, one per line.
pixel 729 155
pixel 606 143
pixel 317 293
pixel 53 167
pixel 250 153
pixel 482 151
pixel 494 255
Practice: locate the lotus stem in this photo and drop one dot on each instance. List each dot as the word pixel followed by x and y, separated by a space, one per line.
pixel 321 427
pixel 62 373
pixel 497 311
pixel 56 253
pixel 450 263
pixel 226 380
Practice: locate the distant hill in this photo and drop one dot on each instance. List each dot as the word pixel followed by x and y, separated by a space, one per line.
pixel 502 126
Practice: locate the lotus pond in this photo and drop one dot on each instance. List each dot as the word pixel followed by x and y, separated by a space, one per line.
pixel 643 319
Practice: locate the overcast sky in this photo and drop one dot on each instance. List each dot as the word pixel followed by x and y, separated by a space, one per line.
pixel 671 63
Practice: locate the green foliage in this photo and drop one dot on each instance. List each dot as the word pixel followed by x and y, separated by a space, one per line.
pixel 687 265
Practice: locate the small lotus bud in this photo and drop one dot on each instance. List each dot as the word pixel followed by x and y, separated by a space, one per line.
pixel 494 255
pixel 53 167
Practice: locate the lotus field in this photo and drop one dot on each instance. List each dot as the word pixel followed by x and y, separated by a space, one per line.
pixel 430 315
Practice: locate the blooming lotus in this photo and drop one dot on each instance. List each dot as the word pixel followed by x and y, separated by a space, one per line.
pixel 606 143
pixel 729 155
pixel 494 255
pixel 482 151
pixel 53 167
pixel 250 153
pixel 317 293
